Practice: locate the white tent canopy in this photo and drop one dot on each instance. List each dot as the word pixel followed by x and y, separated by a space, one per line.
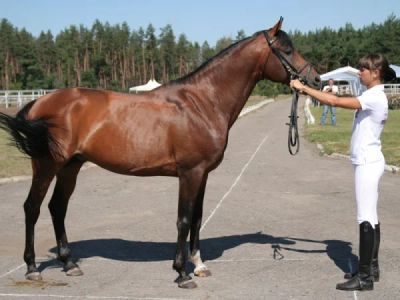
pixel 150 85
pixel 396 69
pixel 348 74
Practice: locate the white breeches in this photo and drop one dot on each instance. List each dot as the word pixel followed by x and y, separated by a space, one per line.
pixel 367 179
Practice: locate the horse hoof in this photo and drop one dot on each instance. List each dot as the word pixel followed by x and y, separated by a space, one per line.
pixel 74 272
pixel 187 285
pixel 34 276
pixel 185 282
pixel 202 273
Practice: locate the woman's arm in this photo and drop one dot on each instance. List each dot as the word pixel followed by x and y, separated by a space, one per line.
pixel 326 98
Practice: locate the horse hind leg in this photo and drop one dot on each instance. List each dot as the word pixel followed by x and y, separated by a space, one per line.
pixel 43 173
pixel 65 185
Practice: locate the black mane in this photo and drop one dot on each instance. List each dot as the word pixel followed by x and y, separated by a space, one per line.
pixel 282 37
pixel 186 78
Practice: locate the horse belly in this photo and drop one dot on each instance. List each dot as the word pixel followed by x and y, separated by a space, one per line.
pixel 131 153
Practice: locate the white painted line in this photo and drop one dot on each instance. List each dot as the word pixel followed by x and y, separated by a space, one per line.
pixel 351 272
pixel 355 295
pixel 234 183
pixel 13 270
pixel 15 179
pixel 254 259
pixel 38 259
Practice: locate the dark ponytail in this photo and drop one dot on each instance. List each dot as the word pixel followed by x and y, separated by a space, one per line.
pixel 378 62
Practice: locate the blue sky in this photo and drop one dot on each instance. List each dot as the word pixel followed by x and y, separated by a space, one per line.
pixel 202 20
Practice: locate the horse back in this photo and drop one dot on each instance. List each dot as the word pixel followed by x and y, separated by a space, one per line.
pixel 143 134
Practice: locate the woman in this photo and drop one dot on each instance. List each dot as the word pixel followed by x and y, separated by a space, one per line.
pixel 367 159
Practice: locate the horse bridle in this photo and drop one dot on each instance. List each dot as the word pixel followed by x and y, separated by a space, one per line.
pixel 293 136
pixel 285 61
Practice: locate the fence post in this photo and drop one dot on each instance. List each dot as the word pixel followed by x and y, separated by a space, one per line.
pixel 19 98
pixel 6 98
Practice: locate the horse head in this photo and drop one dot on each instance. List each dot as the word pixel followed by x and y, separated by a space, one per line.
pixel 284 62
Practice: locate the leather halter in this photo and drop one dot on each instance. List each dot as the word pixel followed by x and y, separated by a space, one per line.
pixel 293 135
pixel 285 61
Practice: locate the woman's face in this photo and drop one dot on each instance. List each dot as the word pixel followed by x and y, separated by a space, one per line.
pixel 369 77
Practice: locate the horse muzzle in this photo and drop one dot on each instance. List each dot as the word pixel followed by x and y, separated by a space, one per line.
pixel 314 82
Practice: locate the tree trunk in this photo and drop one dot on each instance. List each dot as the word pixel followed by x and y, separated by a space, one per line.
pixel 152 69
pixel 144 67
pixel 133 66
pixel 180 66
pixel 6 75
pixel 164 73
pixel 77 69
pixel 59 71
pixel 86 61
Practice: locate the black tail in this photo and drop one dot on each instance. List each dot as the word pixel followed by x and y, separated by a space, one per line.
pixel 31 137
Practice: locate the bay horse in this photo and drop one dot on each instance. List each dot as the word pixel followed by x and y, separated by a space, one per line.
pixel 179 129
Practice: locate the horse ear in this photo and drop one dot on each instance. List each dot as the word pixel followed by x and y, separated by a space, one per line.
pixel 276 27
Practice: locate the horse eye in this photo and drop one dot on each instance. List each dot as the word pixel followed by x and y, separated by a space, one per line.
pixel 288 50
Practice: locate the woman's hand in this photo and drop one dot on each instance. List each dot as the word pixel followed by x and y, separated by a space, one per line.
pixel 296 84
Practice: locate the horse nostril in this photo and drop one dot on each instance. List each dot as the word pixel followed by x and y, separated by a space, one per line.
pixel 317 79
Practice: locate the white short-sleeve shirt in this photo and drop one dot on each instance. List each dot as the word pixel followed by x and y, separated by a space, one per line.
pixel 368 125
pixel 334 88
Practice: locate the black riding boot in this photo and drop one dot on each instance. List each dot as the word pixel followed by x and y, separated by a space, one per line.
pixel 375 263
pixel 363 280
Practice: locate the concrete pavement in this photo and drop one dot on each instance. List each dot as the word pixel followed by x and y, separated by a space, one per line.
pixel 275 226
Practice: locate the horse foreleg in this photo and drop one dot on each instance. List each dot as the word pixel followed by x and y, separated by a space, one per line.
pixel 65 185
pixel 201 269
pixel 190 182
pixel 41 179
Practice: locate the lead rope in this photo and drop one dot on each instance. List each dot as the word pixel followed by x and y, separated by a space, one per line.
pixel 293 137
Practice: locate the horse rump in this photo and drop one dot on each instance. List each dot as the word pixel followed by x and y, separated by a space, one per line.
pixel 31 137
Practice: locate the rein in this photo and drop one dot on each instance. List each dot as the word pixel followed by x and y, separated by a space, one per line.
pixel 293 136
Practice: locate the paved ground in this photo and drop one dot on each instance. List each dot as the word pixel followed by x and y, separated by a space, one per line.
pixel 275 227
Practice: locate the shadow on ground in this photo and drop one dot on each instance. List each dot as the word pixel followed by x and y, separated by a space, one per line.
pixel 340 252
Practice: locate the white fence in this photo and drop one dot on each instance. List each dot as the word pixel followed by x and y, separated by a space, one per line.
pixel 392 89
pixel 9 98
pixel 344 89
pixel 16 98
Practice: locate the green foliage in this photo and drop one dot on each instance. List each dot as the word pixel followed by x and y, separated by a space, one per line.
pixel 12 161
pixel 223 43
pixel 89 79
pixel 116 57
pixel 270 89
pixel 240 35
pixel 328 49
pixel 167 54
pixel 206 51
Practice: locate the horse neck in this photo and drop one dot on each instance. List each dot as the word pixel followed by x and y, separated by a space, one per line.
pixel 232 76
